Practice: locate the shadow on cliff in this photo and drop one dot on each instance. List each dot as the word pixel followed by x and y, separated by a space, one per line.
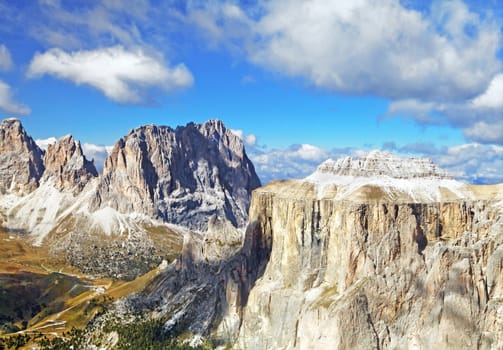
pixel 195 294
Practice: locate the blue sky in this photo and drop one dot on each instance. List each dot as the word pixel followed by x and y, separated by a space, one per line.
pixel 300 81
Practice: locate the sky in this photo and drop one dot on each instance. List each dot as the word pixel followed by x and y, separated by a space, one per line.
pixel 299 81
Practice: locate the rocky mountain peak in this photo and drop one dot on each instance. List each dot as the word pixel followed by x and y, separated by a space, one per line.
pixel 66 165
pixel 181 176
pixel 21 164
pixel 378 163
pixel 384 176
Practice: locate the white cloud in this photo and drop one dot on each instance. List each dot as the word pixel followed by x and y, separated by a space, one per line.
pixel 5 59
pixel 238 133
pixel 120 74
pixel 310 152
pixel 486 132
pixel 438 66
pixel 44 143
pixel 249 140
pixel 98 153
pixel 8 104
pixel 473 162
pixel 493 96
pixel 296 161
pixel 366 46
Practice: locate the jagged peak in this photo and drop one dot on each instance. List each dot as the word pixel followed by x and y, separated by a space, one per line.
pixel 11 120
pixel 68 137
pixel 148 128
pixel 380 163
pixel 12 123
pixel 20 157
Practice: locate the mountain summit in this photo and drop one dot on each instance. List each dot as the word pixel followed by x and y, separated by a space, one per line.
pixel 381 175
pixel 21 163
pixel 378 163
pixel 66 165
pixel 181 176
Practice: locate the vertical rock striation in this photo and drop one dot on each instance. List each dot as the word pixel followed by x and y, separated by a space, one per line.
pixel 66 165
pixel 21 160
pixel 181 176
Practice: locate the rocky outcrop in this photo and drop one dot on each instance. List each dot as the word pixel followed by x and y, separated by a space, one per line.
pixel 365 274
pixel 181 176
pixel 21 164
pixel 66 166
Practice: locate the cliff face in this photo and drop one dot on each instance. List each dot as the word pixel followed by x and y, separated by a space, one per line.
pixel 362 273
pixel 181 176
pixel 66 165
pixel 21 164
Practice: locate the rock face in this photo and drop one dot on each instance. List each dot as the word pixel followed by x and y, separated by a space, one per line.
pixel 361 272
pixel 181 176
pixel 369 273
pixel 21 164
pixel 67 166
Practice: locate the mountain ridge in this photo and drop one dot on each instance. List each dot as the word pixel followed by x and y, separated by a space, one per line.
pixel 156 180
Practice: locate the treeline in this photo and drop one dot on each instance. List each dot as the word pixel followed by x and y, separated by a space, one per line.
pixel 150 335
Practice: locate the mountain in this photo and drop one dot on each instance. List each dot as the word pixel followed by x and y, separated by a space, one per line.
pixel 370 252
pixel 66 165
pixel 384 176
pixel 379 252
pixel 355 256
pixel 21 160
pixel 180 176
pixel 383 164
pixel 157 183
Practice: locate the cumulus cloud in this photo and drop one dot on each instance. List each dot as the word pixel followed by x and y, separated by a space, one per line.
pixel 471 162
pixel 369 47
pixel 249 140
pixel 437 66
pixel 493 96
pixel 486 132
pixel 296 161
pixel 97 153
pixel 5 59
pixel 8 104
pixel 44 143
pixel 121 74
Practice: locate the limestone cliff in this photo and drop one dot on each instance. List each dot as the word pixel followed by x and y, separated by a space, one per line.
pixel 366 272
pixel 66 165
pixel 181 176
pixel 21 160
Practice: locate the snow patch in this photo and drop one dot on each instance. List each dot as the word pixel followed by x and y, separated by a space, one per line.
pixel 418 189
pixel 417 178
